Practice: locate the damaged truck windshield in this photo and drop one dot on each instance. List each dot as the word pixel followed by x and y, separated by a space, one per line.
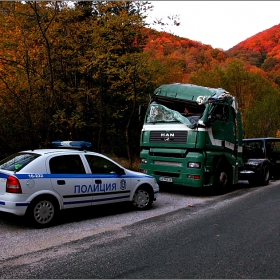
pixel 160 113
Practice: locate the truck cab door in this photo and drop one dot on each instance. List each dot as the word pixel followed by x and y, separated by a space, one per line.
pixel 223 126
pixel 218 118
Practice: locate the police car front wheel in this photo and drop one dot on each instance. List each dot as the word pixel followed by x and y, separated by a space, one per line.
pixel 42 212
pixel 142 198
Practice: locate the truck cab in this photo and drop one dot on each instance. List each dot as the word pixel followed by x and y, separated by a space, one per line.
pixel 196 150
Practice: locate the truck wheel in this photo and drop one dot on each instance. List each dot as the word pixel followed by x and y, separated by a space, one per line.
pixel 261 179
pixel 222 179
pixel 142 198
pixel 42 212
pixel 264 177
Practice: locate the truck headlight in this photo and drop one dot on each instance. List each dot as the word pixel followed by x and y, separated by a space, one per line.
pixel 194 164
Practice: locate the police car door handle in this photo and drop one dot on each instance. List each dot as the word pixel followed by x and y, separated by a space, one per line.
pixel 98 181
pixel 60 182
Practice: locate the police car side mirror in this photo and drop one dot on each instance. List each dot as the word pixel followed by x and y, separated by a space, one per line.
pixel 141 112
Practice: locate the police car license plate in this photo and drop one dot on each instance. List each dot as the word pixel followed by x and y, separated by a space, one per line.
pixel 165 179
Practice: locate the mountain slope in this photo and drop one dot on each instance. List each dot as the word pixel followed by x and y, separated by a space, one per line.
pixel 261 50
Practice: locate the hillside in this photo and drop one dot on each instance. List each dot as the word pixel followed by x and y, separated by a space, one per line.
pixel 183 55
pixel 261 50
pixel 187 56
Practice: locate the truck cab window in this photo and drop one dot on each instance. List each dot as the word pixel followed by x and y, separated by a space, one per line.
pixel 220 113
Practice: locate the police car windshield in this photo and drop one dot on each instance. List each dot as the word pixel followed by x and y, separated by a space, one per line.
pixel 17 161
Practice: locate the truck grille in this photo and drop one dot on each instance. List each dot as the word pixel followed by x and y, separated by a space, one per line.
pixel 169 136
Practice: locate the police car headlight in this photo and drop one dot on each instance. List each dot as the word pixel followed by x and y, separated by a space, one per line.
pixel 194 164
pixel 143 160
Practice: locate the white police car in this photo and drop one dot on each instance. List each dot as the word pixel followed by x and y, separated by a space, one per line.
pixel 39 183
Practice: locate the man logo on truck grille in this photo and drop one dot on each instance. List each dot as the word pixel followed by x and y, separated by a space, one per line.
pixel 167 136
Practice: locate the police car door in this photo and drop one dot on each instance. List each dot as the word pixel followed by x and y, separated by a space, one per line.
pixel 70 180
pixel 109 180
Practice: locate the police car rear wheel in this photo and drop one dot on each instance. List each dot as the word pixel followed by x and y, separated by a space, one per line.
pixel 142 199
pixel 42 212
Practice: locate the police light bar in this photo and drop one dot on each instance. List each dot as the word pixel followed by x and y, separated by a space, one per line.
pixel 71 144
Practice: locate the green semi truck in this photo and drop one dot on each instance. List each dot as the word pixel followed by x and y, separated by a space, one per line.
pixel 192 136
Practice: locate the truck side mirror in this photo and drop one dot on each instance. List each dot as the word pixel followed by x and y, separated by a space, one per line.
pixel 141 112
pixel 210 120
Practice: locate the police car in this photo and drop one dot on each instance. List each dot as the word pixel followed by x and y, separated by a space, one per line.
pixel 39 183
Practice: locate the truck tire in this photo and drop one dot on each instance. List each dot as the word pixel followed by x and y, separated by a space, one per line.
pixel 265 175
pixel 223 179
pixel 261 179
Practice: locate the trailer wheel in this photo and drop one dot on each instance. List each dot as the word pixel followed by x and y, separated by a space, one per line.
pixel 264 176
pixel 261 179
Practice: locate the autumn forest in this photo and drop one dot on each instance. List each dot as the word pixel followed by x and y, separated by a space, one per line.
pixel 80 72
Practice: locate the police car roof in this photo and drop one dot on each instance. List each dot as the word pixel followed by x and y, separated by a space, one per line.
pixel 66 147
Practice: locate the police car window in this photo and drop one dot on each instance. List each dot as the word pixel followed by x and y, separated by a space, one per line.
pixel 67 164
pixel 100 165
pixel 17 161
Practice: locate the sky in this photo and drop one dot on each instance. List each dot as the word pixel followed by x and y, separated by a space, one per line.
pixel 221 24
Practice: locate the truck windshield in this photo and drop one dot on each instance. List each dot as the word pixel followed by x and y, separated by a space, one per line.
pixel 159 113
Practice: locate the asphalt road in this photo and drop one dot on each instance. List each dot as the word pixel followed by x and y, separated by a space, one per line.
pixel 236 235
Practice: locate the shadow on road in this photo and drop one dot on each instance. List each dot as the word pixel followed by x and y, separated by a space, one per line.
pixel 71 215
pixel 93 212
pixel 206 191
